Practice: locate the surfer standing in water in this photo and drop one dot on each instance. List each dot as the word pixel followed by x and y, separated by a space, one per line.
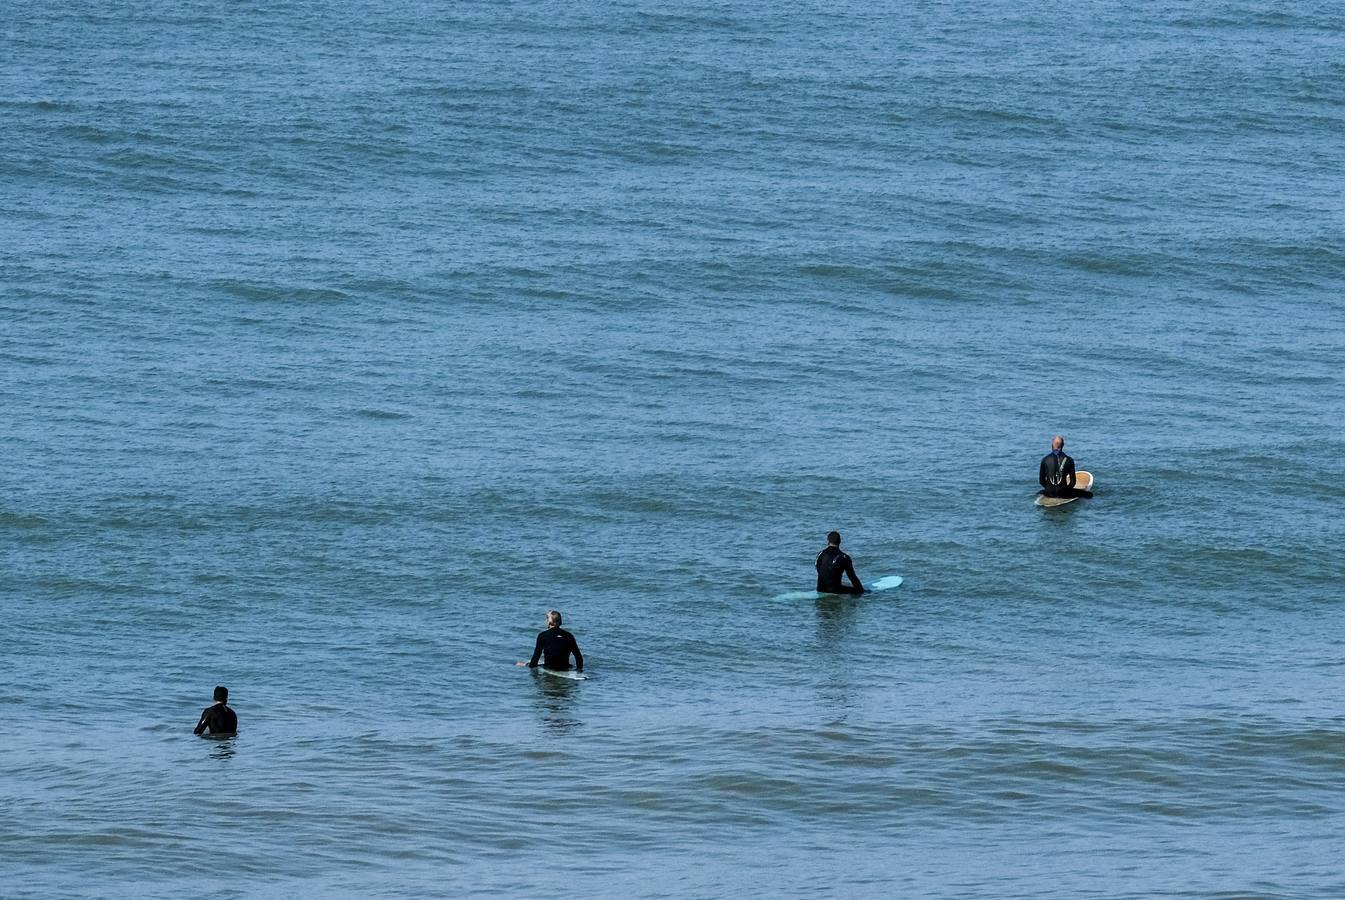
pixel 832 563
pixel 556 644
pixel 219 719
pixel 1056 473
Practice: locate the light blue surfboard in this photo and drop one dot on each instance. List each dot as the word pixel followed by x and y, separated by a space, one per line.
pixel 886 583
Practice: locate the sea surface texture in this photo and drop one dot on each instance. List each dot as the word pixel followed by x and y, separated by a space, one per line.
pixel 340 341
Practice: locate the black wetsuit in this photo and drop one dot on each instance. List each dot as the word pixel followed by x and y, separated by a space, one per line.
pixel 832 563
pixel 219 719
pixel 1056 476
pixel 556 644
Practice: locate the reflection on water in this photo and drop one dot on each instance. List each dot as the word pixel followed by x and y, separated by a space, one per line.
pixel 835 617
pixel 557 697
pixel 222 746
pixel 835 620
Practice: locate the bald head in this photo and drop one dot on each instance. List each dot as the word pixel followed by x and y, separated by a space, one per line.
pixel 1057 443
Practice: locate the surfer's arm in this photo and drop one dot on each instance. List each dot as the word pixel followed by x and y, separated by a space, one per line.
pixel 854 579
pixel 536 653
pixel 1069 474
pixel 1041 474
pixel 578 657
pixel 201 725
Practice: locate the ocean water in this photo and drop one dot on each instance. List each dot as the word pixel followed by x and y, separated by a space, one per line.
pixel 338 342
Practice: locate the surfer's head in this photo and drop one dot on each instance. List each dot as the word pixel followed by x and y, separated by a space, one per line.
pixel 553 618
pixel 221 694
pixel 833 538
pixel 1057 443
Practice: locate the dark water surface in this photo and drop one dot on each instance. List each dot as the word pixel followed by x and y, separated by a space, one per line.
pixel 340 341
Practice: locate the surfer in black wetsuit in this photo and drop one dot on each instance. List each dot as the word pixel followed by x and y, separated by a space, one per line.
pixel 832 563
pixel 219 719
pixel 555 644
pixel 1056 473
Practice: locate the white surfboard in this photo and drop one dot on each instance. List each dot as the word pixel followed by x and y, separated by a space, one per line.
pixel 886 583
pixel 570 674
pixel 1082 480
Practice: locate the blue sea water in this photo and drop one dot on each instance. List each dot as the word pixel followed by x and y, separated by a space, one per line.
pixel 338 342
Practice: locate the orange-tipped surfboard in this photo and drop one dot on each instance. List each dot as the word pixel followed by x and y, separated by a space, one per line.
pixel 1082 480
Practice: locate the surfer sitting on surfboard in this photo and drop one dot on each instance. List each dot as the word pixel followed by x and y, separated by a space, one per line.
pixel 1056 473
pixel 832 563
pixel 556 644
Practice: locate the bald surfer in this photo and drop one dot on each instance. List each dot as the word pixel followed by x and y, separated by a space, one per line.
pixel 832 564
pixel 1056 473
pixel 555 646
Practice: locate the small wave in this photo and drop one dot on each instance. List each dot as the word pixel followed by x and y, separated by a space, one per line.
pixel 41 105
pixel 923 282
pixel 277 293
pixel 369 413
pixel 23 520
pixel 1117 262
pixel 1268 19
pixel 663 22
